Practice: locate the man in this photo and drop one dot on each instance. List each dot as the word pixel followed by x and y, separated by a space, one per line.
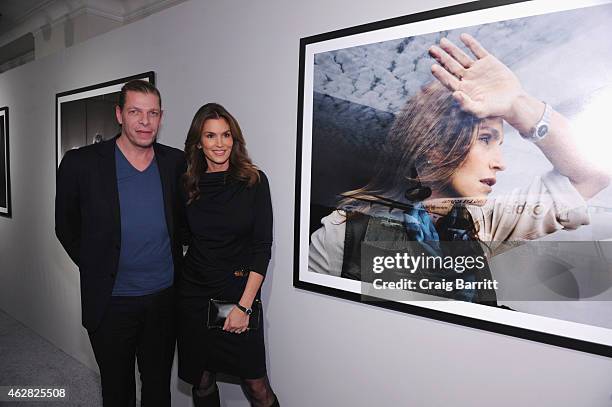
pixel 118 215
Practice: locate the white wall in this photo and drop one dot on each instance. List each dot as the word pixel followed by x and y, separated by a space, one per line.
pixel 322 351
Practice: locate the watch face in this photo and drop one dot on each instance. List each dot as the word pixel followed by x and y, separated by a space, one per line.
pixel 542 130
pixel 249 311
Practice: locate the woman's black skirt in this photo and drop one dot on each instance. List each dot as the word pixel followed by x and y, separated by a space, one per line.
pixel 202 349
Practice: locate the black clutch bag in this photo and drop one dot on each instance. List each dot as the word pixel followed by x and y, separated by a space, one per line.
pixel 218 310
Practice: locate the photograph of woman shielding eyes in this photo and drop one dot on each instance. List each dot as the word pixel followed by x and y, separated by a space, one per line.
pixel 484 143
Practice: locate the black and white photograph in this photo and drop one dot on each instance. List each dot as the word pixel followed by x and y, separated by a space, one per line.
pixel 416 139
pixel 87 115
pixel 5 177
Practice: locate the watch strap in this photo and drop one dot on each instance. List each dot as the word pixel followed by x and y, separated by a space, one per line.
pixel 246 310
pixel 541 128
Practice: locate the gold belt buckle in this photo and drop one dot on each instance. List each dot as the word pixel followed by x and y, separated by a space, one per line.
pixel 241 273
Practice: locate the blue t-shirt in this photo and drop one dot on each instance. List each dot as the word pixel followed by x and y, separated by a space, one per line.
pixel 145 261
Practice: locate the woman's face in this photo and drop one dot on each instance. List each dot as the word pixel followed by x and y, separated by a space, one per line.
pixel 475 178
pixel 216 142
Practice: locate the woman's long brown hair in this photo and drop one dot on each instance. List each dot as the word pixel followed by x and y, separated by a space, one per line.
pixel 429 139
pixel 240 165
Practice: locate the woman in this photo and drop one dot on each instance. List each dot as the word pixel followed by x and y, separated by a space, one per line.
pixel 229 214
pixel 440 162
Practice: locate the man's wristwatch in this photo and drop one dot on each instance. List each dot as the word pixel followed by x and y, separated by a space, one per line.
pixel 542 127
pixel 246 310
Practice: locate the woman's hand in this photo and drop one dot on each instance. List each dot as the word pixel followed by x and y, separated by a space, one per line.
pixel 483 86
pixel 236 322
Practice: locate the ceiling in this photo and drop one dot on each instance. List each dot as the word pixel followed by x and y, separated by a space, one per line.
pixel 20 19
pixel 16 11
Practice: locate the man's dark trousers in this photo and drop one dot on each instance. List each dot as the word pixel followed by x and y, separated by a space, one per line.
pixel 141 326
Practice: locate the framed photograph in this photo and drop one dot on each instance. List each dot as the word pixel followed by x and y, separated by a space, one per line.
pixel 5 173
pixel 87 115
pixel 454 164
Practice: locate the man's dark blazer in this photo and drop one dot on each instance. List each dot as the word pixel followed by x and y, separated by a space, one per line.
pixel 88 223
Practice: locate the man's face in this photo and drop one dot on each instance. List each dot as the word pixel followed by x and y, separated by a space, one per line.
pixel 139 118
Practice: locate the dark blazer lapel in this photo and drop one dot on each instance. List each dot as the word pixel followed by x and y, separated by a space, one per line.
pixel 108 178
pixel 167 174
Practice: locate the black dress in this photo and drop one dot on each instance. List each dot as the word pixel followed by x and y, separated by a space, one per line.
pixel 231 228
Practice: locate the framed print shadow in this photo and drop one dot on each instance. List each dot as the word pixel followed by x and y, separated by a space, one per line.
pixel 5 173
pixel 87 115
pixel 450 166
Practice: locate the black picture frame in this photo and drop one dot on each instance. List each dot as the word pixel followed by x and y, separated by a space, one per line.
pixel 583 337
pixel 81 104
pixel 5 164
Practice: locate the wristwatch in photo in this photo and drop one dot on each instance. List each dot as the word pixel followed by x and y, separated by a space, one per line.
pixel 542 127
pixel 246 310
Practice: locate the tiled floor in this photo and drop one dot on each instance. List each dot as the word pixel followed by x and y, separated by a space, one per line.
pixel 26 359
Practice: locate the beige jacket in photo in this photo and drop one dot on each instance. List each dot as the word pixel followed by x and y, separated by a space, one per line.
pixel 548 204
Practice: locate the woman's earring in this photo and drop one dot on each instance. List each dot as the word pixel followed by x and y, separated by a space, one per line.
pixel 199 146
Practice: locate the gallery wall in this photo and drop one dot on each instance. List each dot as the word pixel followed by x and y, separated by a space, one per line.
pixel 322 351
